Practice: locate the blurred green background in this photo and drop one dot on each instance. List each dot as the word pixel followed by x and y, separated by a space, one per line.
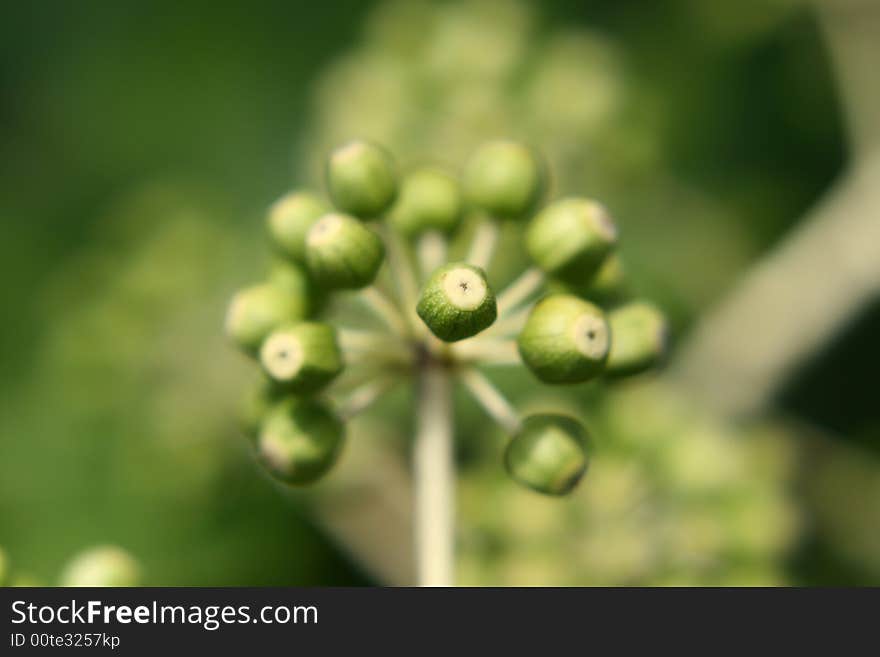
pixel 142 144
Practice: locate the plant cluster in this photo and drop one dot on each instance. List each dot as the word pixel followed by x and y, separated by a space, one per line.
pixel 439 315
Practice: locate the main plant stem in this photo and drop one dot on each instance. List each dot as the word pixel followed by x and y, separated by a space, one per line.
pixel 434 478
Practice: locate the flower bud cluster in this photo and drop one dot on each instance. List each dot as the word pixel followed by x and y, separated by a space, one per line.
pixel 450 317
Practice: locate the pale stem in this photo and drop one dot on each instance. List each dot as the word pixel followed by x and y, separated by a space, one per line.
pixel 527 284
pixel 483 244
pixel 488 352
pixel 364 397
pixel 372 347
pixel 431 250
pixel 492 401
pixel 434 480
pixel 511 324
pixel 402 271
pixel 385 310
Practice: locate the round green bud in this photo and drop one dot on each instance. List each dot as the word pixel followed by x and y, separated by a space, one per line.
pixel 504 179
pixel 571 238
pixel 299 441
pixel 301 358
pixel 361 178
pixel 429 199
pixel 255 311
pixel 102 566
pixel 565 340
pixel 290 219
pixel 457 302
pixel 343 253
pixel 639 337
pixel 550 454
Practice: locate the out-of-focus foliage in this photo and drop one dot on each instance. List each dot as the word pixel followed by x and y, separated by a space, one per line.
pixel 141 391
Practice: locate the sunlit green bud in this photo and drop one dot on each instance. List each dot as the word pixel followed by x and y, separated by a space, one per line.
pixel 343 253
pixel 303 357
pixel 571 238
pixel 255 311
pixel 639 335
pixel 550 454
pixel 504 179
pixel 361 178
pixel 290 219
pixel 565 340
pixel 299 441
pixel 102 566
pixel 457 302
pixel 429 199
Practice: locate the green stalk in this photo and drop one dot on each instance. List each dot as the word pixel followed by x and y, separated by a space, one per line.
pixel 434 479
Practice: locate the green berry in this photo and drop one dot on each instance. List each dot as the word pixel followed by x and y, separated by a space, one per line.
pixel 457 302
pixel 565 340
pixel 255 311
pixel 290 219
pixel 301 358
pixel 639 335
pixel 343 253
pixel 550 454
pixel 299 441
pixel 571 239
pixel 505 179
pixel 361 178
pixel 102 566
pixel 429 199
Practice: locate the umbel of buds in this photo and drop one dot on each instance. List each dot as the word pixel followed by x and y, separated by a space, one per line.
pixel 377 244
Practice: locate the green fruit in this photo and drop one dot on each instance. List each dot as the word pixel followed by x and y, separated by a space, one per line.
pixel 429 199
pixel 457 302
pixel 565 340
pixel 299 441
pixel 290 219
pixel 639 336
pixel 343 253
pixel 361 178
pixel 301 358
pixel 505 179
pixel 549 454
pixel 571 239
pixel 102 566
pixel 254 312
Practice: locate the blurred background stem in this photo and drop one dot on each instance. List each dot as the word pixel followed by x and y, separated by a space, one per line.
pixel 796 299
